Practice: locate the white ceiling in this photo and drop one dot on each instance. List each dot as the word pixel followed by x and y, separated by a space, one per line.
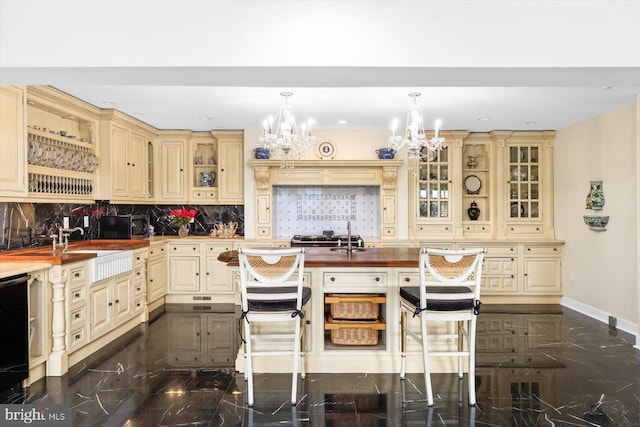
pixel 525 65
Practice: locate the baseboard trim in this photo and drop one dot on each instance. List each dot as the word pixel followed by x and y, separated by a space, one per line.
pixel 601 316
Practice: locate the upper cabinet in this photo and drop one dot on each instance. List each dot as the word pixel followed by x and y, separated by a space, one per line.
pixel 13 161
pixel 230 166
pixel 484 185
pixel 125 158
pixel 172 172
pixel 62 147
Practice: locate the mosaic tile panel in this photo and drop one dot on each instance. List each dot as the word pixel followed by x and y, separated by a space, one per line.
pixel 326 207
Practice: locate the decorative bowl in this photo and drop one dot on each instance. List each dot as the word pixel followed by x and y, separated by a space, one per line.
pixel 385 153
pixel 597 223
pixel 262 153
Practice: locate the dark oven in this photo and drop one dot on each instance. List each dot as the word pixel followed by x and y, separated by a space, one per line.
pixel 14 328
pixel 123 227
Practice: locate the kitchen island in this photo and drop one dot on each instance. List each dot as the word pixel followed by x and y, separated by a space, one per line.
pixel 374 275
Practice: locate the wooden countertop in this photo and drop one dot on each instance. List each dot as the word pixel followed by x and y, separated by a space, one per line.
pixel 370 257
pixel 44 255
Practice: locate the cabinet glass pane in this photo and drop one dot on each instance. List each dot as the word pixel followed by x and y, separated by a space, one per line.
pixel 433 185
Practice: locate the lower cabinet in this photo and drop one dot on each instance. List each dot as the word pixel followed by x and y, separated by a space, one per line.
pixel 192 343
pixel 110 304
pixel 156 273
pixel 195 274
pixel 39 328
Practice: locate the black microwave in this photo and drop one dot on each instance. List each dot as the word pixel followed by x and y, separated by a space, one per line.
pixel 123 227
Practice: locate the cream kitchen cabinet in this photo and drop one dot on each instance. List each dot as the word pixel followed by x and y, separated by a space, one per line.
pixel 124 154
pixel 39 328
pixel 542 269
pixel 156 273
pixel 13 161
pixel 195 274
pixel 110 304
pixel 77 308
pixel 230 166
pixel 173 167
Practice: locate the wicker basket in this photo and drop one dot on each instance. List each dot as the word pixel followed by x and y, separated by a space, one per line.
pixel 355 306
pixel 353 332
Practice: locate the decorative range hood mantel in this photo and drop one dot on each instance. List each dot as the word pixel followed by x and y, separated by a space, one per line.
pixel 383 173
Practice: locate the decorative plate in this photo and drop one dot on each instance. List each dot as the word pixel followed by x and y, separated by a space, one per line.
pixel 426 154
pixel 326 150
pixel 472 184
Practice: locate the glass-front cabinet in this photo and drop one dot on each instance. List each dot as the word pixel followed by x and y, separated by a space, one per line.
pixel 204 160
pixel 484 185
pixel 430 179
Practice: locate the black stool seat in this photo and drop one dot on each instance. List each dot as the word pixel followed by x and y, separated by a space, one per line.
pixel 411 294
pixel 277 305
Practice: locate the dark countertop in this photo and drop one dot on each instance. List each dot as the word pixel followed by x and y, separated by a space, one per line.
pixel 44 255
pixel 370 257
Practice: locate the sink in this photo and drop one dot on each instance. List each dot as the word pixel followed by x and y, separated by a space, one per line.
pixel 107 264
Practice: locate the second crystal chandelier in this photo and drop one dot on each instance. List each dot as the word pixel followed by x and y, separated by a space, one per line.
pixel 414 137
pixel 281 135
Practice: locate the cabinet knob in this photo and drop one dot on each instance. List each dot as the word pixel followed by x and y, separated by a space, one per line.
pixel 511 248
pixel 407 279
pixel 197 274
pixel 162 249
pixel 529 249
pixel 151 280
pixel 221 170
pixel 512 276
pixel 333 279
pixel 76 316
pixel 377 279
pixel 76 274
pixel 525 274
pixel 117 301
pixel 110 304
pixel 267 208
pixel 77 294
pixel 77 336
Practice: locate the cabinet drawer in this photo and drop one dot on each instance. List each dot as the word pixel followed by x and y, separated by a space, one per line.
pixel 500 266
pixel 138 305
pixel 428 229
pixel 524 228
pixel 77 339
pixel 186 249
pixel 77 296
pixel 138 274
pixel 389 231
pixel 542 250
pixel 218 248
pixel 476 228
pixel 138 289
pixel 264 231
pixel 139 258
pixel 494 250
pixel 499 285
pixel 355 279
pixel 156 251
pixel 209 194
pixel 78 274
pixel 78 318
pixel 409 279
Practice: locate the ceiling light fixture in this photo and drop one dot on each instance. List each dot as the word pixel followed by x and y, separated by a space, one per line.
pixel 342 122
pixel 281 135
pixel 414 137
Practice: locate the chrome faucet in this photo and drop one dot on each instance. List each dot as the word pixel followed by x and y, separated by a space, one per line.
pixel 63 237
pixel 349 246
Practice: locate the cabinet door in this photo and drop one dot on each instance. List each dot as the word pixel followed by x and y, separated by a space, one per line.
pixel 218 274
pixel 100 308
pixel 525 189
pixel 122 299
pixel 13 161
pixel 432 194
pixel 184 274
pixel 231 183
pixel 542 275
pixel 389 221
pixel 138 167
pixel 173 171
pixel 156 273
pixel 120 165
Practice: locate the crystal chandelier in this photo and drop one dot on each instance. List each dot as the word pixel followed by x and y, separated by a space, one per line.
pixel 283 140
pixel 414 137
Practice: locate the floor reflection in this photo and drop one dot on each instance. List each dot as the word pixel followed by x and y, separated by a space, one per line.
pixel 540 366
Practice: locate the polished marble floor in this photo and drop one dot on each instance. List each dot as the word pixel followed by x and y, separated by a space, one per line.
pixel 537 366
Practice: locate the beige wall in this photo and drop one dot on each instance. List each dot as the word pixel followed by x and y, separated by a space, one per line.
pixel 600 268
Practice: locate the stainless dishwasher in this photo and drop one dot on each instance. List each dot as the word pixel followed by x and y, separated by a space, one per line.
pixel 14 330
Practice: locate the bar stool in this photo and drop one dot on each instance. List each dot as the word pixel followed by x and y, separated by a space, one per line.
pixel 449 291
pixel 272 291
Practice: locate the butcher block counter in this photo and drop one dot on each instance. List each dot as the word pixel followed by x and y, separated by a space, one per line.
pixel 365 257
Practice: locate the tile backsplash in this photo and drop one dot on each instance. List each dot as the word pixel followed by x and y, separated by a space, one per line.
pixel 303 209
pixel 31 224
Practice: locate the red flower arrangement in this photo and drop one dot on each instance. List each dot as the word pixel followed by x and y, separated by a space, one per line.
pixel 182 217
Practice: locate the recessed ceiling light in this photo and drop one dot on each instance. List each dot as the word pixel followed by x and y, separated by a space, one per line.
pixel 484 119
pixel 342 122
pixel 205 118
pixel 107 103
pixel 529 123
pixel 607 87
